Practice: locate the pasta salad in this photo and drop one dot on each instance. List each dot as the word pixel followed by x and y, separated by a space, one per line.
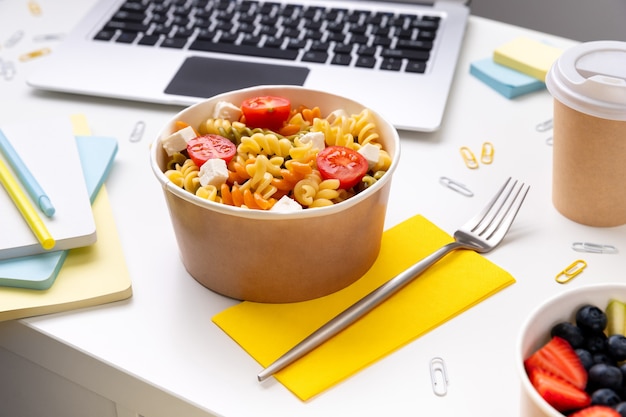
pixel 264 154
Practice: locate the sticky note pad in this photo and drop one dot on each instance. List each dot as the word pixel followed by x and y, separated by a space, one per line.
pixel 528 56
pixel 506 81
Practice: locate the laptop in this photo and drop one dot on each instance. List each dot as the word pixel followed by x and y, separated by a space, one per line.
pixel 397 58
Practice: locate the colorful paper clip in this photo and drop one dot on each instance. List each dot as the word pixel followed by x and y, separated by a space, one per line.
pixel 468 157
pixel 456 186
pixel 571 271
pixel 34 54
pixel 439 376
pixel 593 247
pixel 34 8
pixel 550 141
pixel 486 154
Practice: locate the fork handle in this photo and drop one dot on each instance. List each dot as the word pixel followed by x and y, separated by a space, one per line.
pixel 356 311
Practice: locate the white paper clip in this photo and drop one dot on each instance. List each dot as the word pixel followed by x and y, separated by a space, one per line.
pixel 456 186
pixel 439 376
pixel 544 126
pixel 7 70
pixel 137 133
pixel 14 39
pixel 593 247
pixel 49 37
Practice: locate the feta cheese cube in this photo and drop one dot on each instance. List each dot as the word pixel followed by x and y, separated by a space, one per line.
pixel 317 138
pixel 227 111
pixel 332 117
pixel 177 141
pixel 371 154
pixel 213 172
pixel 286 205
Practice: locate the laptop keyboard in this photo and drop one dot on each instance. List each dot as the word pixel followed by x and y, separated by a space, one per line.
pixel 295 32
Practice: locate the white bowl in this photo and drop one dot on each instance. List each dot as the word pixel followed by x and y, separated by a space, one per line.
pixel 536 331
pixel 270 256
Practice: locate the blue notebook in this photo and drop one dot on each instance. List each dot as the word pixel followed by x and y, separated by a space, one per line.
pixel 39 271
pixel 506 81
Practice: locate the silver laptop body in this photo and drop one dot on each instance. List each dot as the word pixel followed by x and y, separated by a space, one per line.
pixel 177 72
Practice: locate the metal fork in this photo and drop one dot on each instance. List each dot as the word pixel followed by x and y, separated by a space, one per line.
pixel 481 234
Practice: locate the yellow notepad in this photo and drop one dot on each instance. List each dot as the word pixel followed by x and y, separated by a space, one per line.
pixel 90 276
pixel 527 56
pixel 456 283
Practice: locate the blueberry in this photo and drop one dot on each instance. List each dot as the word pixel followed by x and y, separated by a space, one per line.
pixel 605 396
pixel 569 332
pixel 602 357
pixel 585 358
pixel 591 319
pixel 616 347
pixel 605 376
pixel 595 343
pixel 621 408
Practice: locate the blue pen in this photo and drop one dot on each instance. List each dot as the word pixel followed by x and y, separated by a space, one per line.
pixel 37 194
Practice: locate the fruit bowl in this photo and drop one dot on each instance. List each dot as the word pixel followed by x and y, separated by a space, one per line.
pixel 536 333
pixel 277 255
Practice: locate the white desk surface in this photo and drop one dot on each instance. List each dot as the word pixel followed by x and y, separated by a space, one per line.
pixel 159 354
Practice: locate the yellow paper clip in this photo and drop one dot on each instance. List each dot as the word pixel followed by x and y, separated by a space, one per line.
pixel 34 8
pixel 571 271
pixel 439 376
pixel 486 154
pixel 34 54
pixel 469 158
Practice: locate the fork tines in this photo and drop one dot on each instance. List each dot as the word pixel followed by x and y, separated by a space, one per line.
pixel 499 214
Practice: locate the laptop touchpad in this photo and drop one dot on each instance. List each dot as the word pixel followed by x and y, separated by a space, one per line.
pixel 206 77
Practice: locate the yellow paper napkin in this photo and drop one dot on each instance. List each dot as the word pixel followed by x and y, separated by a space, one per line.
pixel 451 286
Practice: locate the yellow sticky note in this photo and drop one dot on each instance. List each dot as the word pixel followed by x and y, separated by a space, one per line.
pixel 451 286
pixel 527 56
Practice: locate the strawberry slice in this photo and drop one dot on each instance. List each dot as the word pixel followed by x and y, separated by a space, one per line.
pixel 560 394
pixel 596 411
pixel 559 358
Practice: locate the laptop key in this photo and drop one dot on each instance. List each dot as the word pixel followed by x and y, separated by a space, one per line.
pixel 365 62
pixel 174 43
pixel 315 56
pixel 391 64
pixel 416 66
pixel 230 48
pixel 341 59
pixel 405 53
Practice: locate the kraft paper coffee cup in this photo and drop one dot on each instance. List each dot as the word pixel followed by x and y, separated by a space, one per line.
pixel 588 84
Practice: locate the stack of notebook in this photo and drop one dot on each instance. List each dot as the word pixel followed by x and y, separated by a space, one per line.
pixel 71 167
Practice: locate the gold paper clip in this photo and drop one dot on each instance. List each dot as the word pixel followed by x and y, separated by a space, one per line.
pixel 34 54
pixel 544 126
pixel 593 247
pixel 34 8
pixel 456 186
pixel 469 158
pixel 137 133
pixel 486 154
pixel 439 376
pixel 571 271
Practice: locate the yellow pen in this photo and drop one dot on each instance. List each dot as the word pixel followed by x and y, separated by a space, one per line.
pixel 21 201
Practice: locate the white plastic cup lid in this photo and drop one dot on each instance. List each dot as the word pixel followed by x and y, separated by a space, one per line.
pixel 591 78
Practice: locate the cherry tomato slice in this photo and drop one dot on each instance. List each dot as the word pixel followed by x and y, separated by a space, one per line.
pixel 202 148
pixel 269 112
pixel 343 164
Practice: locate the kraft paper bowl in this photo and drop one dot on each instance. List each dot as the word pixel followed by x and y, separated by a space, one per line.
pixel 536 331
pixel 277 257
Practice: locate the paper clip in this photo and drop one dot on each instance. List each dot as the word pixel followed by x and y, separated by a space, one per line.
pixel 593 247
pixel 439 376
pixel 486 154
pixel 34 8
pixel 549 141
pixel 571 271
pixel 137 133
pixel 456 186
pixel 34 54
pixel 49 37
pixel 469 158
pixel 544 126
pixel 14 39
pixel 7 70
